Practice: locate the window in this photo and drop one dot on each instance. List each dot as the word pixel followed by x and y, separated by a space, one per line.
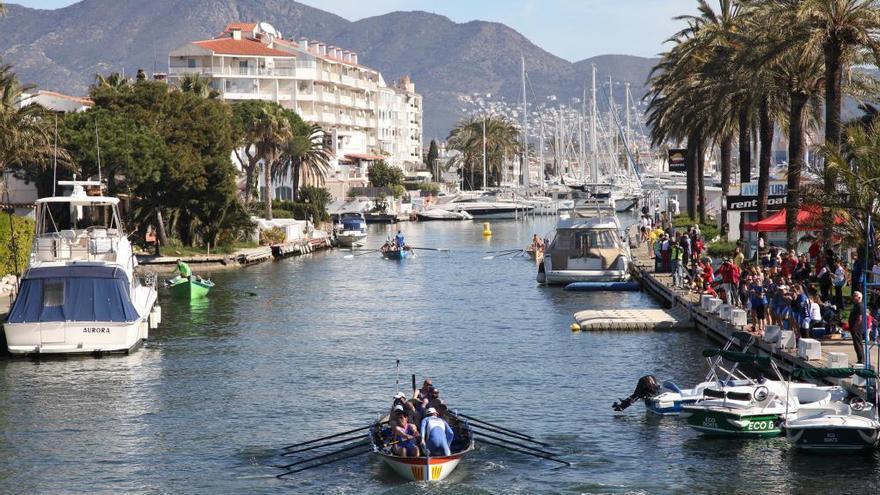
pixel 53 294
pixel 191 63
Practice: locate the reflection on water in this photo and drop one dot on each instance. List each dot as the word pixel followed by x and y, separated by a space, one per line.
pixel 226 380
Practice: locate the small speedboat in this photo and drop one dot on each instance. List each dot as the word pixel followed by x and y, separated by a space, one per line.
pixel 423 468
pixel 192 287
pixel 353 230
pixel 838 426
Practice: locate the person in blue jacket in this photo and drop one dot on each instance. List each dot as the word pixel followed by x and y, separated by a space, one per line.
pixel 398 239
pixel 436 434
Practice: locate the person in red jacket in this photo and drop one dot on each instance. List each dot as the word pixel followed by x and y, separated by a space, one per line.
pixel 729 273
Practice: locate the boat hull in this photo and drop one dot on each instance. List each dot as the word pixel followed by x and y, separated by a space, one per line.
pixel 189 289
pixel 396 255
pixel 351 239
pixel 833 433
pixel 722 423
pixel 74 337
pixel 565 277
pixel 422 468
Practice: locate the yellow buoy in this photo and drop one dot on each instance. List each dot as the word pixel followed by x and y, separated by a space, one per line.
pixel 486 230
pixel 575 327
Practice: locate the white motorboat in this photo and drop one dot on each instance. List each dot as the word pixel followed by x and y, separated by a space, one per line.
pixel 483 207
pixel 838 426
pixel 430 214
pixel 80 293
pixel 586 248
pixel 352 229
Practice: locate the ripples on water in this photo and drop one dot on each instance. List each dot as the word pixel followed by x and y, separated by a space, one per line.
pixel 225 381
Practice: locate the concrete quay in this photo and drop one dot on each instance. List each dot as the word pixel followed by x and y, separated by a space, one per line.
pixel 659 285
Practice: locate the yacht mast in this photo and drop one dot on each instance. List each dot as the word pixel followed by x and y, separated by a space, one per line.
pixel 582 153
pixel 541 151
pixel 626 135
pixel 484 152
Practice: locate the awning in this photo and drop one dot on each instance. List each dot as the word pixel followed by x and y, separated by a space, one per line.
pixel 364 156
pixel 808 218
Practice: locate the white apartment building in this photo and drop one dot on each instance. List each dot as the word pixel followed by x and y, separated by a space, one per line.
pixel 367 119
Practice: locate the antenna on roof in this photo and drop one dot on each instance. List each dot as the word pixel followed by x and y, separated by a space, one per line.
pixel 98 146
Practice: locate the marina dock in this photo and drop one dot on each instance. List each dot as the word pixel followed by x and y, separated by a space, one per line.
pixel 634 319
pixel 242 257
pixel 660 286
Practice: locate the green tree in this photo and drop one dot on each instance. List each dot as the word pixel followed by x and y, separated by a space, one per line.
pixel 114 81
pixel 383 175
pixel 307 156
pixel 431 160
pixel 196 84
pixel 272 131
pixel 502 141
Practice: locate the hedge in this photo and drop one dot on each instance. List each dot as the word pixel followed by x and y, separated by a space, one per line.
pixel 24 238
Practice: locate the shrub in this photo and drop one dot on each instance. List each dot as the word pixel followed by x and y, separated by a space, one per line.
pixel 275 235
pixel 429 189
pixel 24 238
pixel 721 249
pixel 683 222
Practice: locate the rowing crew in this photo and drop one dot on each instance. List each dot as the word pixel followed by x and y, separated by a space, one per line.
pixel 433 436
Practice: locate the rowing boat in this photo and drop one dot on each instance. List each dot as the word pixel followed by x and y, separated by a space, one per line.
pixel 189 287
pixel 396 254
pixel 424 468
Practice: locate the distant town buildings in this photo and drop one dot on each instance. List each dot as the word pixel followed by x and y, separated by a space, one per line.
pixel 366 119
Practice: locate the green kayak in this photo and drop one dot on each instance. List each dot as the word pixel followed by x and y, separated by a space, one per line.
pixel 191 287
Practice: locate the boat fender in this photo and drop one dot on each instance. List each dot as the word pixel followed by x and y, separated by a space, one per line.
pixel 646 387
pixel 575 327
pixel 541 278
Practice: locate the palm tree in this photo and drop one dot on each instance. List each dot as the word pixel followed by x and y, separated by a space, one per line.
pixel 271 131
pixel 307 156
pixel 26 135
pixel 502 141
pixel 837 29
pixel 115 81
pixel 196 84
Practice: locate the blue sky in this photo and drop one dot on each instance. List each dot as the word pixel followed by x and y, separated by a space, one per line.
pixel 572 29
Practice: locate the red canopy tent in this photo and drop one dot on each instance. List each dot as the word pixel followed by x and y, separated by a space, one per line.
pixel 808 218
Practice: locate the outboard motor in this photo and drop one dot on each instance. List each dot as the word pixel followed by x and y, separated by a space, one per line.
pixel 647 387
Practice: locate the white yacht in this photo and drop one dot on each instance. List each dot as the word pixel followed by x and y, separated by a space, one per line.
pixel 586 248
pixel 352 231
pixel 484 206
pixel 80 293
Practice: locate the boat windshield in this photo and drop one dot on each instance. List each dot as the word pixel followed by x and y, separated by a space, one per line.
pixel 582 241
pixel 61 216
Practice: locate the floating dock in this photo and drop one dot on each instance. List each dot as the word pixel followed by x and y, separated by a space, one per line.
pixel 634 319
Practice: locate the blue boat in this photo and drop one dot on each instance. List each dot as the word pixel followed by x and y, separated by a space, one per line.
pixel 396 254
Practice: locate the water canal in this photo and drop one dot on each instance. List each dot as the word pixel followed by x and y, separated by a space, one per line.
pixel 306 347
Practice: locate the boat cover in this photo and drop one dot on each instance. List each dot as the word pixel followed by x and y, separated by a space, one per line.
pixel 736 357
pixel 75 293
pixel 352 224
pixel 802 373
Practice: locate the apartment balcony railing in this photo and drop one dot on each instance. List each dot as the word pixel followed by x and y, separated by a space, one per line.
pixel 234 71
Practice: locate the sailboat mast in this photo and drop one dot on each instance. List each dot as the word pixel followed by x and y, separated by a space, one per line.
pixel 541 151
pixel 626 135
pixel 594 150
pixel 582 153
pixel 525 153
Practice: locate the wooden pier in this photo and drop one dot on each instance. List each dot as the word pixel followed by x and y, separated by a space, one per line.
pixel 660 286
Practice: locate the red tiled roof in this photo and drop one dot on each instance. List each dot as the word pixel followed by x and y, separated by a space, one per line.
pixel 244 26
pixel 229 46
pixel 78 99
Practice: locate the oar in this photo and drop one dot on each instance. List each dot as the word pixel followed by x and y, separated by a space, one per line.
pixel 516 436
pixel 350 256
pixel 503 251
pixel 511 442
pixel 495 426
pixel 320 446
pixel 442 250
pixel 328 437
pixel 349 456
pixel 549 458
pixel 323 456
pixel 506 253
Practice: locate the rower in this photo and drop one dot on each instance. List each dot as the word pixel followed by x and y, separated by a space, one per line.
pixel 405 435
pixel 398 240
pixel 183 269
pixel 436 434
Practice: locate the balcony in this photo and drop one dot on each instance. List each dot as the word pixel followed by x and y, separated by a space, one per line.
pixel 234 71
pixel 253 95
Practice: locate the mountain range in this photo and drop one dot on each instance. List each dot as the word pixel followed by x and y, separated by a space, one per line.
pixel 63 49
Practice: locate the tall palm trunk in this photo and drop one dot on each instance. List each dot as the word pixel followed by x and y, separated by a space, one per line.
pixel 267 179
pixel 701 183
pixel 765 134
pixel 795 166
pixel 726 158
pixel 161 235
pixel 833 101
pixel 692 175
pixel 745 145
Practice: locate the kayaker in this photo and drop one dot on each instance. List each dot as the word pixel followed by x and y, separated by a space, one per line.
pixel 436 434
pixel 183 269
pixel 398 240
